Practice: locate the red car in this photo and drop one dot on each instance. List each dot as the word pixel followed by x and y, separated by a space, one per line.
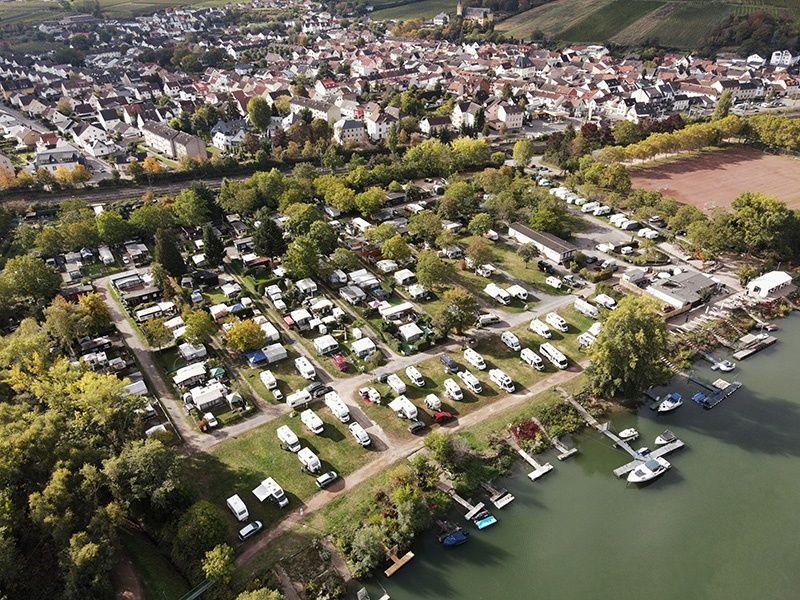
pixel 340 362
pixel 443 417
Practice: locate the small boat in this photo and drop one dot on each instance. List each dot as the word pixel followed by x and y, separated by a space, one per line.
pixel 700 398
pixel 643 451
pixel 666 437
pixel 649 470
pixel 671 402
pixel 455 538
pixel 628 435
pixel 485 522
pixel 771 327
pixel 725 366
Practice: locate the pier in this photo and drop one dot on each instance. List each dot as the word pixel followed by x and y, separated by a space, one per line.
pixel 497 496
pixel 471 509
pixel 661 451
pixel 721 390
pixel 538 468
pixel 753 344
pixel 564 451
pixel 602 428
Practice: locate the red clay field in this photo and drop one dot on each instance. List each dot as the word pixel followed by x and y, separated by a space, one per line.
pixel 713 180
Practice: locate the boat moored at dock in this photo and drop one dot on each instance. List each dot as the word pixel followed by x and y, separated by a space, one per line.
pixel 649 470
pixel 670 403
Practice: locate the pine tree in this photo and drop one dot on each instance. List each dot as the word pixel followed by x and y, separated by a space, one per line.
pixel 168 255
pixel 213 249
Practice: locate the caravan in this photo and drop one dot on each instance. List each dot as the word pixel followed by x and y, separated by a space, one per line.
pixel 498 294
pixel 537 326
pixel 288 439
pixel 309 460
pixel 305 368
pixel 585 308
pixel 238 508
pixel 452 389
pixel 555 320
pixel 530 357
pixel 475 359
pixel 552 354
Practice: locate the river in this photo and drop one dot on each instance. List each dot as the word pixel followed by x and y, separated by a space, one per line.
pixel 721 524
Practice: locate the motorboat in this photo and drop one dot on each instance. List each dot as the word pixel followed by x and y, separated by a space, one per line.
pixel 643 451
pixel 771 327
pixel 484 519
pixel 666 437
pixel 725 366
pixel 671 402
pixel 628 435
pixel 649 470
pixel 700 398
pixel 455 538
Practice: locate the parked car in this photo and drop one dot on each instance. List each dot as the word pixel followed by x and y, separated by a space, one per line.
pixel 339 362
pixel 211 420
pixel 450 366
pixel 546 267
pixel 443 416
pixel 317 389
pixel 416 426
pixel 487 319
pixel 250 530
pixel 326 479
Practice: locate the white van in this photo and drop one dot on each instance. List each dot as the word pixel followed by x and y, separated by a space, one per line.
pixel 298 399
pixel 238 508
pixel 312 421
pixel 470 381
pixel 626 250
pixel 288 439
pixel 606 301
pixel 452 389
pixel 305 368
pixel 554 282
pixel 585 308
pixel 510 340
pixel 498 294
pixel 337 407
pixel 555 320
pixel 415 376
pixel 518 292
pixel 589 207
pixel 530 357
pixel 487 319
pixel 268 379
pixel 501 379
pixel 360 435
pixel 433 402
pixel 554 355
pixel 538 326
pixel 403 408
pixel 309 460
pixel 397 384
pixel 475 359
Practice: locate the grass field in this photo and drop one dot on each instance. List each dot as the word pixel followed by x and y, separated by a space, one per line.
pixel 160 579
pixel 606 21
pixel 425 9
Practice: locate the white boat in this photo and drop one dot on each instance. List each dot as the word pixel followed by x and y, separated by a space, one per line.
pixel 643 451
pixel 666 437
pixel 726 366
pixel 672 402
pixel 628 435
pixel 649 470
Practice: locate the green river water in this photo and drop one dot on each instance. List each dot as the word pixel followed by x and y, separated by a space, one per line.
pixel 722 524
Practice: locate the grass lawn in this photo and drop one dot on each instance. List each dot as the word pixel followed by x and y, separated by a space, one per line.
pixel 238 465
pixel 160 579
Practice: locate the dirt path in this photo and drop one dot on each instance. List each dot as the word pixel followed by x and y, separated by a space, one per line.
pixel 393 455
pixel 126 581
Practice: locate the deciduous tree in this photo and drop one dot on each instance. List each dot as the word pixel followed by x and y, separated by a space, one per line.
pixel 459 311
pixel 432 271
pixel 244 336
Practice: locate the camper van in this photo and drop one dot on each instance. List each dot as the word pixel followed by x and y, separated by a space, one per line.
pixel 552 354
pixel 360 435
pixel 529 357
pixel 398 385
pixel 589 207
pixel 510 340
pixel 268 379
pixel 238 508
pixel 337 407
pixel 309 460
pixel 585 340
pixel 288 439
pixel 470 381
pixel 498 294
pixel 606 301
pixel 518 292
pixel 312 421
pixel 538 326
pixel 585 308
pixel 475 359
pixel 403 408
pixel 595 329
pixel 433 402
pixel 554 282
pixel 502 380
pixel 415 376
pixel 298 399
pixel 305 368
pixel 555 320
pixel 452 390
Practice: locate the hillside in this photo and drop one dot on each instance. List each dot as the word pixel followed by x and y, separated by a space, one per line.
pixel 678 23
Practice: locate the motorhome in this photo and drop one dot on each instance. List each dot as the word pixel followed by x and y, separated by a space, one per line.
pixel 557 321
pixel 360 435
pixel 502 380
pixel 552 354
pixel 238 508
pixel 518 292
pixel 538 326
pixel 452 390
pixel 585 308
pixel 309 460
pixel 606 301
pixel 498 294
pixel 337 407
pixel 312 421
pixel 433 402
pixel 530 357
pixel 288 438
pixel 470 381
pixel 268 379
pixel 475 359
pixel 305 368
pixel 415 376
pixel 510 340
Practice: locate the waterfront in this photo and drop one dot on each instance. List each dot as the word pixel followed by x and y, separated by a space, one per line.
pixel 720 524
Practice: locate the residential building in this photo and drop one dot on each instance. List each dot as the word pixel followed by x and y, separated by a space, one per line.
pixel 172 143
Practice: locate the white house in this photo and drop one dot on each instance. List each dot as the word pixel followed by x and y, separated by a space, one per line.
pixel 464 114
pixel 770 285
pixel 227 135
pixel 550 246
pixel 349 131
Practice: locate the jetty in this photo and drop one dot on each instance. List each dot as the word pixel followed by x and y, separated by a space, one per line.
pixel 398 562
pixel 720 390
pixel 603 428
pixel 752 344
pixel 471 509
pixel 538 469
pixel 497 496
pixel 660 451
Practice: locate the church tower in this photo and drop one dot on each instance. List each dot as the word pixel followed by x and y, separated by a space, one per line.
pixel 459 9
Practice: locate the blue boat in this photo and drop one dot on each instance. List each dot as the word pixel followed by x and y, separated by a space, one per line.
pixel 701 399
pixel 485 522
pixel 456 538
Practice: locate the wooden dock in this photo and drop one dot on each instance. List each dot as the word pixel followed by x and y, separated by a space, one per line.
pixel 753 345
pixel 564 451
pixel 660 451
pixel 497 496
pixel 397 562
pixel 471 509
pixel 601 427
pixel 538 469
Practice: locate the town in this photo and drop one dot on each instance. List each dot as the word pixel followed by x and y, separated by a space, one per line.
pixel 284 289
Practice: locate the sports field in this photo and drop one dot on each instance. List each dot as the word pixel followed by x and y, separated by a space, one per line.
pixel 714 179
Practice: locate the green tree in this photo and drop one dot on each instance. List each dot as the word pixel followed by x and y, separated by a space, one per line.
pixel 345 259
pixel 480 251
pixel 191 208
pixel 112 228
pixel 396 248
pixel 370 201
pixel 627 356
pixel 61 321
pixel 168 255
pixel 686 215
pixel 324 237
pixel 94 314
pixel 459 311
pixel 425 226
pixel 527 252
pixel 301 258
pixel 523 152
pixel 219 565
pixel 262 594
pixel 746 273
pixel 200 327
pixel 432 271
pixel 156 333
pixel 268 239
pixel 213 248
pixel 50 241
pixel 301 217
pixel 367 550
pixel 244 336
pixel 30 279
pixel 723 107
pixel 201 528
pixel 459 201
pixel 765 224
pixel 260 113
pixel 626 133
pixel 480 223
pixel 149 218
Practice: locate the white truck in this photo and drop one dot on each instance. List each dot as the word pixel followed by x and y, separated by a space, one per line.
pixel 415 376
pixel 586 308
pixel 475 359
pixel 312 421
pixel 538 326
pixel 557 321
pixel 452 389
pixel 530 357
pixel 309 460
pixel 403 408
pixel 498 294
pixel 360 435
pixel 398 385
pixel 298 399
pixel 510 340
pixel 501 379
pixel 470 381
pixel 433 402
pixel 238 508
pixel 337 407
pixel 305 368
pixel 288 438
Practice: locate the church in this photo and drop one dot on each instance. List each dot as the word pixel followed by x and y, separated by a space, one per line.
pixel 477 14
